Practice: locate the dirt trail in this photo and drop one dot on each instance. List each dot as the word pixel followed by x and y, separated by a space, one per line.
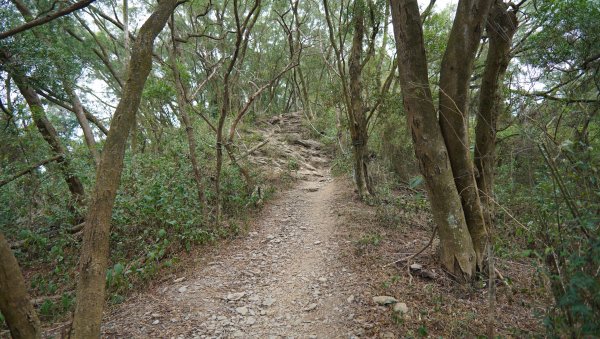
pixel 284 279
pixel 311 264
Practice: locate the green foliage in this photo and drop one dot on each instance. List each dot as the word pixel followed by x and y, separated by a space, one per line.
pixel 554 186
pixel 293 164
pixel 367 242
pixel 567 34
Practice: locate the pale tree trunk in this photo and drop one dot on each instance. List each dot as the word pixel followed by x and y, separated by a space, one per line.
pixel 15 304
pixel 456 248
pixel 182 102
pixel 83 121
pixel 501 27
pixel 455 77
pixel 96 235
pixel 356 111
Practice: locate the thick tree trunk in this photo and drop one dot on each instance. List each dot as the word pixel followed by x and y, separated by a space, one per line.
pixel 356 112
pixel 501 27
pixel 455 76
pixel 456 248
pixel 95 248
pixel 15 304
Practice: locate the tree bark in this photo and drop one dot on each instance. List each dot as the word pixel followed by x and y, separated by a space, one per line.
pixel 242 35
pixel 15 304
pixel 67 86
pixel 456 248
pixel 501 27
pixel 83 121
pixel 356 111
pixel 182 102
pixel 95 248
pixel 49 134
pixel 455 76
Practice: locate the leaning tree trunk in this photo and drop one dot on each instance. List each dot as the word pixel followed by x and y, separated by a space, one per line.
pixel 49 134
pixel 501 27
pixel 67 86
pixel 356 111
pixel 456 248
pixel 15 305
pixel 455 77
pixel 95 248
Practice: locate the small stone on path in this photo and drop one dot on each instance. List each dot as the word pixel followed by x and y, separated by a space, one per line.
pixel 416 267
pixel 384 300
pixel 242 310
pixel 401 308
pixel 268 301
pixel 235 296
pixel 310 307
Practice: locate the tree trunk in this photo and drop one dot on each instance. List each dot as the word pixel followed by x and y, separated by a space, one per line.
pixel 15 304
pixel 501 26
pixel 77 107
pixel 456 248
pixel 95 248
pixel 83 121
pixel 455 77
pixel 49 134
pixel 356 112
pixel 187 123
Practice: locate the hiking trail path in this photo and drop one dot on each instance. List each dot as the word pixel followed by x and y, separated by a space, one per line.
pixel 285 278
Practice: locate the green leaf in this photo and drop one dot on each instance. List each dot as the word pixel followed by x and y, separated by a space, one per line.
pixel 118 269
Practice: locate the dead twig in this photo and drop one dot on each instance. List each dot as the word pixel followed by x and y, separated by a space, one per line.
pixel 414 255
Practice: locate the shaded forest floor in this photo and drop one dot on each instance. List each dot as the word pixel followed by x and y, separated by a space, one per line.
pixel 309 266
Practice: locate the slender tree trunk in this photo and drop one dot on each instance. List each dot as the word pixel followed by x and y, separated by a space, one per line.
pixel 242 36
pixel 95 248
pixel 356 112
pixel 456 248
pixel 77 107
pixel 83 121
pixel 501 27
pixel 187 123
pixel 15 305
pixel 455 76
pixel 49 134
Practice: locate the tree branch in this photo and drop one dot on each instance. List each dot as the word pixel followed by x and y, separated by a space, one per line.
pixel 46 18
pixel 30 168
